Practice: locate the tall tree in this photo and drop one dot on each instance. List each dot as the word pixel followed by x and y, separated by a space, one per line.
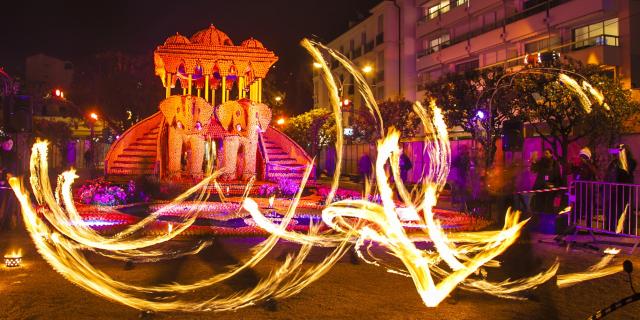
pixel 476 102
pixel 397 113
pixel 312 130
pixel 57 132
pixel 557 114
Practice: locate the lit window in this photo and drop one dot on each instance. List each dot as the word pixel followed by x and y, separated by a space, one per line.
pixel 438 9
pixel 603 33
pixel 457 3
pixel 439 43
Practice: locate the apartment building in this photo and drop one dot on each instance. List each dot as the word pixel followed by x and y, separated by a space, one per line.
pixel 384 43
pixel 45 73
pixel 459 35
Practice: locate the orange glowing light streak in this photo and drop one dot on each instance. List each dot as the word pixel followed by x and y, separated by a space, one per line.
pixel 392 233
pixel 70 223
pixel 599 269
pixel 64 257
pixel 567 280
pixel 623 217
pixel 312 239
pixel 596 94
pixel 465 254
pixel 573 84
pixel 334 98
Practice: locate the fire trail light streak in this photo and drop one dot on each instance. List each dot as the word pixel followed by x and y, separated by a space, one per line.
pixel 457 259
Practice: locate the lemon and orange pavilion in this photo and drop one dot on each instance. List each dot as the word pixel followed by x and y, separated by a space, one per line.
pixel 213 91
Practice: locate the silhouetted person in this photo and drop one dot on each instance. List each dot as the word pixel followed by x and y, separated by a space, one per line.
pixel 405 166
pixel 88 158
pixel 461 165
pixel 548 176
pixel 365 167
pixel 584 169
pixel 620 171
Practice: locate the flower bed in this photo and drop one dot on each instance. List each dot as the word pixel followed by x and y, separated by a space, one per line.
pixel 104 193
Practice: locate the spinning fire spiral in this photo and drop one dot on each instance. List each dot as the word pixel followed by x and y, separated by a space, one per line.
pixel 456 260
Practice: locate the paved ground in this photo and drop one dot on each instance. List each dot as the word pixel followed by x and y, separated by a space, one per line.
pixel 348 291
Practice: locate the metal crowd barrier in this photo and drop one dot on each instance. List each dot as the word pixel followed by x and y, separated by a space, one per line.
pixel 598 206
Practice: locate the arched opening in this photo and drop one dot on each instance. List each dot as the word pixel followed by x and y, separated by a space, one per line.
pixel 214 84
pixel 232 77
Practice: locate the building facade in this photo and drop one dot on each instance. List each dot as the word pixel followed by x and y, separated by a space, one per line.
pixel 409 43
pixel 385 43
pixel 460 35
pixel 45 74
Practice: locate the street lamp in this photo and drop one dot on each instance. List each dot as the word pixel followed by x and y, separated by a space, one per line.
pixel 278 98
pixel 281 121
pixel 93 118
pixel 367 69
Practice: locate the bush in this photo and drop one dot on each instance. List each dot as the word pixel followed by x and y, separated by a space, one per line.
pixel 288 187
pixel 104 193
pixel 267 190
pixel 101 192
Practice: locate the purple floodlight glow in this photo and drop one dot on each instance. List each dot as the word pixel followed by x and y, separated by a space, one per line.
pixel 480 114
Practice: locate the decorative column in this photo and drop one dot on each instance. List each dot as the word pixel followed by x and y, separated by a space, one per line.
pixel 254 91
pixel 213 97
pixel 206 88
pixel 167 87
pixel 260 90
pixel 224 89
pixel 190 83
pixel 175 139
pixel 240 87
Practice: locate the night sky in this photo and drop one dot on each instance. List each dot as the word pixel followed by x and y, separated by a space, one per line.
pixel 73 29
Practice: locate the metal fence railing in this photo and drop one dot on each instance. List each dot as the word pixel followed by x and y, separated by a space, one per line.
pixel 599 206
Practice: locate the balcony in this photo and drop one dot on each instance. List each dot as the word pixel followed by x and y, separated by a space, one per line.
pixel 369 46
pixel 379 38
pixel 379 76
pixel 601 50
pixel 434 21
pixel 534 8
pixel 356 53
pixel 518 26
pixel 431 50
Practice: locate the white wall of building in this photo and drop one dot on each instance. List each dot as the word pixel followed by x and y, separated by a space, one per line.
pixel 389 52
pixel 441 36
pixel 45 73
pixel 484 33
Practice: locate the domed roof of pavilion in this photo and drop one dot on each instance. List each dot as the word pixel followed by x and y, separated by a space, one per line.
pixel 252 43
pixel 211 52
pixel 211 37
pixel 177 39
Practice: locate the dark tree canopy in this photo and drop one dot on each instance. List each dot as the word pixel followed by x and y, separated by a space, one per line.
pixel 469 100
pixel 56 132
pixel 536 96
pixel 114 82
pixel 556 113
